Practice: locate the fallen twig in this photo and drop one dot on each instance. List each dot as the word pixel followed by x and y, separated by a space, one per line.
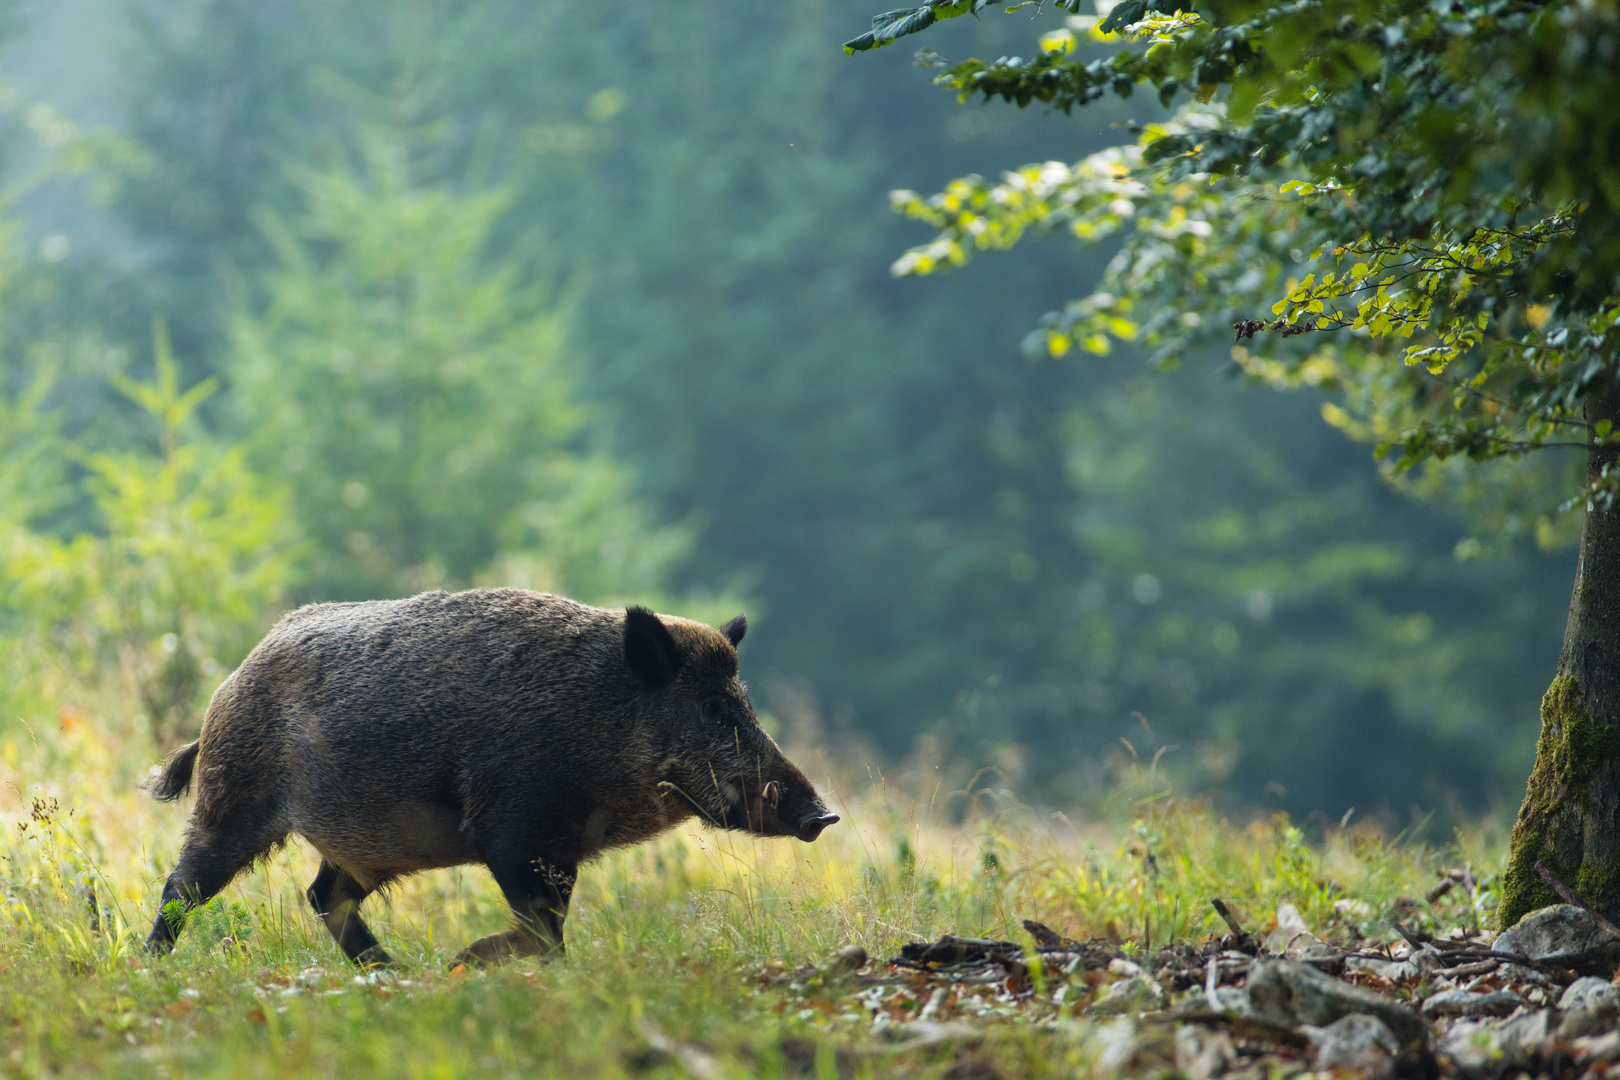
pixel 1045 935
pixel 1571 896
pixel 1226 915
pixel 1211 993
pixel 1470 956
pixel 1415 939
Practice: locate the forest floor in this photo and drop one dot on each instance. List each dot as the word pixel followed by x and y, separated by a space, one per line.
pixel 702 954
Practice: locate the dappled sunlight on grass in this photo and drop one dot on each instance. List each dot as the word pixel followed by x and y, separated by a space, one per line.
pixel 670 936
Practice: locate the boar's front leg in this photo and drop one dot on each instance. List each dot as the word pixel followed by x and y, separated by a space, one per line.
pixel 335 895
pixel 537 890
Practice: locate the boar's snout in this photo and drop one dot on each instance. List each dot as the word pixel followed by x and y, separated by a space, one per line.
pixel 786 805
pixel 811 827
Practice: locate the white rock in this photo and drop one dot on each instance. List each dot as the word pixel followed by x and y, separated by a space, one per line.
pixel 1136 994
pixel 1564 935
pixel 1590 1007
pixel 1488 1048
pixel 1291 932
pixel 1389 970
pixel 1359 1042
pixel 1605 1047
pixel 1203 1052
pixel 1464 1003
pixel 1114 1045
pixel 1292 994
pixel 1353 909
pixel 1587 991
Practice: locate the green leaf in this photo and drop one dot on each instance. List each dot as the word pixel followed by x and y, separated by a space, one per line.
pixel 893 25
pixel 1123 14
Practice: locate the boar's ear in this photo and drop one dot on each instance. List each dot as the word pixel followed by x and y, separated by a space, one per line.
pixel 649 649
pixel 735 629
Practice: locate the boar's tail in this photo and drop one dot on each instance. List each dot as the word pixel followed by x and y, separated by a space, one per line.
pixel 175 779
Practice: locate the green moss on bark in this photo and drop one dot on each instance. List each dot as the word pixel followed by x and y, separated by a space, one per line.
pixel 1574 746
pixel 1594 882
pixel 1523 891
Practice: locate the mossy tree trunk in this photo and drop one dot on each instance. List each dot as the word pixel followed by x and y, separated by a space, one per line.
pixel 1570 818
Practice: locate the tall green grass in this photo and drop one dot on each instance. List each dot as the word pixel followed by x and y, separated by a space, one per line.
pixel 690 938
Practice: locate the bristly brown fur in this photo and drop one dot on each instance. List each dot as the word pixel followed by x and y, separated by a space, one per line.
pixel 517 729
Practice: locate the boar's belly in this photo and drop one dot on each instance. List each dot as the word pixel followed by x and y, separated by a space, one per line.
pixel 398 839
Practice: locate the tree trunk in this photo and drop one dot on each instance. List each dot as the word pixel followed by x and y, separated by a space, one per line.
pixel 1570 818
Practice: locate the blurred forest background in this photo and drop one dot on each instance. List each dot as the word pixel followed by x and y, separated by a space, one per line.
pixel 315 301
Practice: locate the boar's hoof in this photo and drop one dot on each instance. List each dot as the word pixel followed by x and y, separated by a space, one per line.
pixel 374 957
pixel 811 827
pixel 500 947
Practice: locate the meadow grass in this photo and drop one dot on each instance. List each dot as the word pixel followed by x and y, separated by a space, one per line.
pixel 694 938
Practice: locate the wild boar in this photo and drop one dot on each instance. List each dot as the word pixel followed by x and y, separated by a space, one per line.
pixel 511 728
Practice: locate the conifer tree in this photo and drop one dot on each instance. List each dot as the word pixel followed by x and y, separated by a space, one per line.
pixel 421 403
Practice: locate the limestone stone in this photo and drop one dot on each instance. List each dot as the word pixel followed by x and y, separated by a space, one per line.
pixel 1564 935
pixel 1359 1042
pixel 1292 993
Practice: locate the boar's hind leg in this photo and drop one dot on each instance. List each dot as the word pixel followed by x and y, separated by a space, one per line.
pixel 209 859
pixel 538 892
pixel 335 895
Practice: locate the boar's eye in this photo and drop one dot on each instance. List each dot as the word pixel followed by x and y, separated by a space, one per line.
pixel 710 712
